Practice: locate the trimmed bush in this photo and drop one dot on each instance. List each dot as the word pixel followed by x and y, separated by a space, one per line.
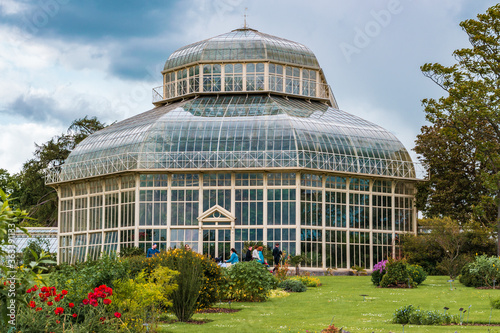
pixel 248 281
pixel 397 275
pixel 417 273
pixel 293 286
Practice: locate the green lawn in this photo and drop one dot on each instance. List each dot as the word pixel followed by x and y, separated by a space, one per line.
pixel 339 296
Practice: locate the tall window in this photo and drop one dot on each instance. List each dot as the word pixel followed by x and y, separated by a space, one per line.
pixel 233 77
pixel 276 77
pixel 292 80
pixel 308 82
pixel 255 77
pixel 212 77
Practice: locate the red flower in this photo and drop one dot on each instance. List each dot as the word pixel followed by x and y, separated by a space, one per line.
pixel 71 305
pixel 74 315
pixel 35 287
pixel 38 309
pixel 85 301
pixel 44 289
pixel 28 291
pixel 118 314
pixel 107 301
pixel 94 303
pixel 48 294
pixel 49 303
pixel 32 304
pixel 58 310
pixel 57 299
pixel 102 319
pixel 64 292
pixel 58 322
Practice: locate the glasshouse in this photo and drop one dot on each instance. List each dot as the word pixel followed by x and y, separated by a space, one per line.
pixel 245 143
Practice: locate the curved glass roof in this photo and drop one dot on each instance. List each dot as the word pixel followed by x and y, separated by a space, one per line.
pixel 243 44
pixel 241 132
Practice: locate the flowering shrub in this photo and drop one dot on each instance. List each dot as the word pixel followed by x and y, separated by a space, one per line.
pixel 485 269
pixel 211 279
pixel 142 299
pixel 397 275
pixel 81 277
pixel 417 273
pixel 248 281
pixel 50 311
pixel 308 281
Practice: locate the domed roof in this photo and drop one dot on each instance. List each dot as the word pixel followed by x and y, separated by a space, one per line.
pixel 243 44
pixel 248 132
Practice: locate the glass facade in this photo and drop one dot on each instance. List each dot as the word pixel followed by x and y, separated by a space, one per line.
pixel 245 144
pixel 337 221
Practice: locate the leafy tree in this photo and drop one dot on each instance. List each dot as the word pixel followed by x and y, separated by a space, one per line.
pixel 462 146
pixel 34 196
pixel 8 182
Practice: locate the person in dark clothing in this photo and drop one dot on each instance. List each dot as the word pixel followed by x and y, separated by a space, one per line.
pixel 248 256
pixel 276 254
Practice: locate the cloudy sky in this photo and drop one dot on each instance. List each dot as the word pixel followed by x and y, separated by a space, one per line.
pixel 61 60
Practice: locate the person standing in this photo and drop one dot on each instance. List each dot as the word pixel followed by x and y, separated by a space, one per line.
pixel 248 256
pixel 152 251
pixel 276 254
pixel 260 255
pixel 255 254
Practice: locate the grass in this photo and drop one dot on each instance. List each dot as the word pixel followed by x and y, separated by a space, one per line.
pixel 339 296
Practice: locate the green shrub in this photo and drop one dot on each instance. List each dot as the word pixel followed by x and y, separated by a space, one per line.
pixel 417 273
pixel 248 281
pixel 469 279
pixel 402 315
pixel 189 282
pixel 131 251
pixel 409 315
pixel 293 285
pixel 308 281
pixel 212 277
pixel 495 303
pixel 486 269
pixel 376 277
pixel 396 275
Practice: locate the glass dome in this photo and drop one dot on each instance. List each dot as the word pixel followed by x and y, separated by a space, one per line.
pixel 241 132
pixel 243 44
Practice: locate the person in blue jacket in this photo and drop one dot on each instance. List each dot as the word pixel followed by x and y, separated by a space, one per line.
pixel 152 251
pixel 234 257
pixel 261 256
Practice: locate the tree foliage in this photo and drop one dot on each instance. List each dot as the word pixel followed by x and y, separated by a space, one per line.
pixel 462 144
pixel 33 195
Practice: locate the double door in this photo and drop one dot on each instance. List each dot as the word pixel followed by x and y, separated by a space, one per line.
pixel 217 242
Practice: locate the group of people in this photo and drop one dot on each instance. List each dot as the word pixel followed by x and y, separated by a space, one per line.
pixel 252 254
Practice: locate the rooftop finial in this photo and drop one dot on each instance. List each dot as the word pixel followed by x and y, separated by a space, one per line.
pixel 245 16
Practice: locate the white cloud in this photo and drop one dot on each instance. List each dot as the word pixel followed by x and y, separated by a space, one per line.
pixel 18 142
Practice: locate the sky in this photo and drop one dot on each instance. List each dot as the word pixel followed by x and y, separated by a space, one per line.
pixel 62 60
